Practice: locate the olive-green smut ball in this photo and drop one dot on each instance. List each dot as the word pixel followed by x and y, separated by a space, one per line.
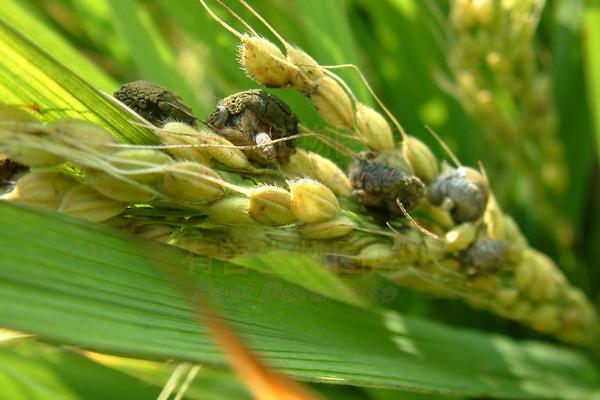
pixel 244 117
pixel 154 103
pixel 382 180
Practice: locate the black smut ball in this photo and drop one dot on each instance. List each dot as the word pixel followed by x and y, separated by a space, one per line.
pixel 485 256
pixel 464 190
pixel 156 104
pixel 381 184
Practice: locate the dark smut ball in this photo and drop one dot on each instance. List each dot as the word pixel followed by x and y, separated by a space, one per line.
pixel 255 117
pixel 8 169
pixel 485 256
pixel 381 180
pixel 463 191
pixel 156 104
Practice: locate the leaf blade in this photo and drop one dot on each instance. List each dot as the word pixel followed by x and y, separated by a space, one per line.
pixel 592 47
pixel 82 284
pixel 30 76
pixel 21 19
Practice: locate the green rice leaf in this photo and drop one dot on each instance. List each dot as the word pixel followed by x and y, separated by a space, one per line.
pixel 592 49
pixel 20 18
pixel 303 270
pixel 33 79
pixel 32 371
pixel 207 384
pixel 82 284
